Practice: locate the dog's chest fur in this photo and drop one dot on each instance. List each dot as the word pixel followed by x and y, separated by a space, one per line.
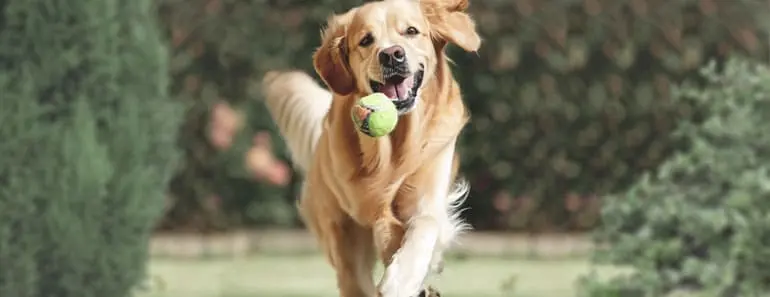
pixel 388 171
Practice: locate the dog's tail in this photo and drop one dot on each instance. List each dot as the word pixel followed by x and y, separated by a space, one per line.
pixel 298 106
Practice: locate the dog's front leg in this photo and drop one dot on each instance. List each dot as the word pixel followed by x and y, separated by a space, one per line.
pixel 431 226
pixel 347 245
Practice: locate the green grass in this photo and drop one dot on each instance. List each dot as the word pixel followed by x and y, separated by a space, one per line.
pixel 309 275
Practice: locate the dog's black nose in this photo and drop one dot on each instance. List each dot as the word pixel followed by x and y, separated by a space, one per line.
pixel 392 56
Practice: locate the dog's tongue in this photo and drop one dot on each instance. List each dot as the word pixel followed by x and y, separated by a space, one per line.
pixel 397 90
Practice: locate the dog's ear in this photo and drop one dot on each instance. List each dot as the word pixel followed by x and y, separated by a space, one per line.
pixel 330 60
pixel 450 23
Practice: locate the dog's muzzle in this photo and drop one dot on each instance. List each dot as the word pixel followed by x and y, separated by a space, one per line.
pixel 398 82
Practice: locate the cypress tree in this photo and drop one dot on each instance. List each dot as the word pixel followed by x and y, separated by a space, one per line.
pixel 87 145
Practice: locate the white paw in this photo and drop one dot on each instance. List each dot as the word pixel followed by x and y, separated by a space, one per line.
pixel 410 266
pixel 397 281
pixel 389 286
pixel 437 266
pixel 437 261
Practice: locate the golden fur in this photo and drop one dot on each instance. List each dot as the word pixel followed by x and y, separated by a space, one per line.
pixel 298 105
pixel 392 198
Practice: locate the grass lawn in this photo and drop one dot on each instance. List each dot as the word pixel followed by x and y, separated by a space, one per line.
pixel 309 275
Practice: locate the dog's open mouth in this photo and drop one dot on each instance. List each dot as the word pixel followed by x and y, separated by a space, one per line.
pixel 401 88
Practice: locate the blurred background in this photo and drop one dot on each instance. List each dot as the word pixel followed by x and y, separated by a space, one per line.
pixel 137 135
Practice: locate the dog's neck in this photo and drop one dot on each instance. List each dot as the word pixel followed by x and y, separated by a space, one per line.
pixel 433 124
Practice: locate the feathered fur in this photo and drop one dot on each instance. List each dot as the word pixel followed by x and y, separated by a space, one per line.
pixel 298 105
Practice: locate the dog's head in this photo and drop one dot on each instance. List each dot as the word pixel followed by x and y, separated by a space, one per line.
pixel 392 47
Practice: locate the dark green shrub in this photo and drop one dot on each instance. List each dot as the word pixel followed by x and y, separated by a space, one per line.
pixel 87 145
pixel 700 223
pixel 569 98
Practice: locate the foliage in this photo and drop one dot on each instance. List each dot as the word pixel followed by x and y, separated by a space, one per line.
pixel 569 99
pixel 700 222
pixel 88 145
pixel 221 49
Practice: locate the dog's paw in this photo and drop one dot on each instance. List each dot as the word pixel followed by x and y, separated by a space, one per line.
pixel 429 291
pixel 389 286
pixel 437 267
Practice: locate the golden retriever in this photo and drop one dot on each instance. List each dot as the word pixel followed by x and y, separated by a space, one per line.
pixel 394 198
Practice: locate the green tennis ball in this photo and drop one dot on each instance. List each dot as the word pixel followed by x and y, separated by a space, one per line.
pixel 375 115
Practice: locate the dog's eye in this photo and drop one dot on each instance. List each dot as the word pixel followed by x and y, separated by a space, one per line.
pixel 367 40
pixel 412 31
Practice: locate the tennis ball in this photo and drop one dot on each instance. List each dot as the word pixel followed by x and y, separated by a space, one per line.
pixel 375 115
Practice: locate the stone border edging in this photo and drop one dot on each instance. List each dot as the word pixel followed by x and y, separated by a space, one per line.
pixel 243 243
